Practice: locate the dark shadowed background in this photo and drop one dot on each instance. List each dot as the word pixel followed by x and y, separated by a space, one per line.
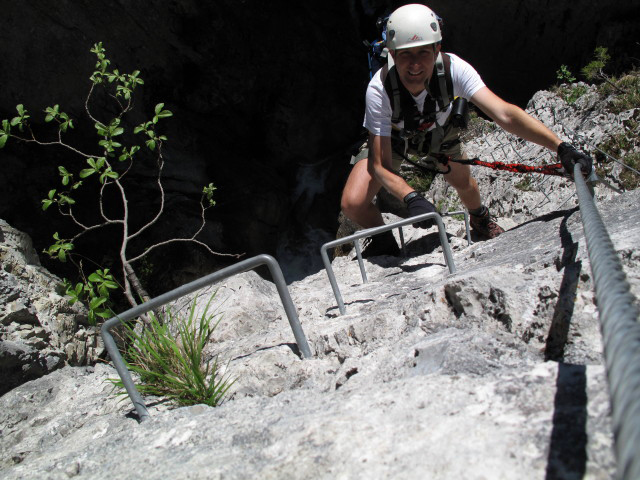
pixel 267 100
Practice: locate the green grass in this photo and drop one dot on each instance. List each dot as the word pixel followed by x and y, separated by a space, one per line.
pixel 570 93
pixel 420 182
pixel 624 146
pixel 168 356
pixel 526 184
pixel 625 91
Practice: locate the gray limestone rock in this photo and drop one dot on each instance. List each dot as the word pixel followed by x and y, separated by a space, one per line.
pixel 494 371
pixel 39 330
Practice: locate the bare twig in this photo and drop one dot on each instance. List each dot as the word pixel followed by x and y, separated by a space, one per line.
pixel 162 195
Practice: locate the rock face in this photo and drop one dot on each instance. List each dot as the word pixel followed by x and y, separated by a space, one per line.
pixel 267 99
pixel 39 331
pixel 520 198
pixel 492 372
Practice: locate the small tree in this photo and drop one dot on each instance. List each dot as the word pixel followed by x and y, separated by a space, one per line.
pixel 564 75
pixel 594 70
pixel 107 171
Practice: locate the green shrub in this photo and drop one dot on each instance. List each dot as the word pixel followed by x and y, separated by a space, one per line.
pixel 574 93
pixel 564 75
pixel 625 91
pixel 624 146
pixel 594 70
pixel 168 356
pixel 106 176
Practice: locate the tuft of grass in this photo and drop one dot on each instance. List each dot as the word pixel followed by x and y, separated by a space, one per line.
pixel 570 93
pixel 625 91
pixel 526 184
pixel 626 147
pixel 576 92
pixel 419 181
pixel 168 356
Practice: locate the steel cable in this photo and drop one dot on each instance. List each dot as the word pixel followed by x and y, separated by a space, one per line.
pixel 620 332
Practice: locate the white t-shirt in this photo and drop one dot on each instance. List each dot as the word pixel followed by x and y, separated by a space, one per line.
pixel 377 118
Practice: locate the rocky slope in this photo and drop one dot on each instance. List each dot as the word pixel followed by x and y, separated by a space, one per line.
pixel 39 331
pixel 494 371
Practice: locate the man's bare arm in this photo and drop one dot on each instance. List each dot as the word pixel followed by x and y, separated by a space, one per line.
pixel 514 120
pixel 380 164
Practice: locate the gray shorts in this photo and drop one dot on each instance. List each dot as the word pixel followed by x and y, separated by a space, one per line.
pixel 455 152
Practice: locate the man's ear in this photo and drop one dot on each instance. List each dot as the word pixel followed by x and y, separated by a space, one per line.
pixel 393 54
pixel 436 48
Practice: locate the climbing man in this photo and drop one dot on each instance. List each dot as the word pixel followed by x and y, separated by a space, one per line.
pixel 408 111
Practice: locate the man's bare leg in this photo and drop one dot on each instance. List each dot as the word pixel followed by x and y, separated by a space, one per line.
pixel 460 178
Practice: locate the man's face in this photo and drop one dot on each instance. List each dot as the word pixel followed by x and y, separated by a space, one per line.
pixel 415 65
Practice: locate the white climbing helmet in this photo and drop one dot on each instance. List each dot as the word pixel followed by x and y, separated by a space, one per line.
pixel 411 26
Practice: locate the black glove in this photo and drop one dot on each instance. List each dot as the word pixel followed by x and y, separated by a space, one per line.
pixel 569 156
pixel 417 205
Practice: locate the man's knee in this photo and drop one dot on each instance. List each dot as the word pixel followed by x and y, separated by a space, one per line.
pixel 359 189
pixel 460 178
pixel 347 202
pixel 352 203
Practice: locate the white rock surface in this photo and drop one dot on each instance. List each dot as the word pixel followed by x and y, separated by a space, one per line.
pixel 493 372
pixel 428 375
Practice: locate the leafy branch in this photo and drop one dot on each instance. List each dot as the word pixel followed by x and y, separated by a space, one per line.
pixel 106 169
pixel 594 70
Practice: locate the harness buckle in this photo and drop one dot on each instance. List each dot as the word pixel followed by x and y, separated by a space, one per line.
pixel 442 158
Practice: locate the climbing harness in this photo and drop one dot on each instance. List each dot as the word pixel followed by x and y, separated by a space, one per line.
pixel 421 131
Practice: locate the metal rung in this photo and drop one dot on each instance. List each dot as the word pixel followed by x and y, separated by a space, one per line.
pixel 377 230
pixel 240 267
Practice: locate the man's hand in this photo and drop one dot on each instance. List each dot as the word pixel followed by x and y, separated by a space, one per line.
pixel 417 205
pixel 569 156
